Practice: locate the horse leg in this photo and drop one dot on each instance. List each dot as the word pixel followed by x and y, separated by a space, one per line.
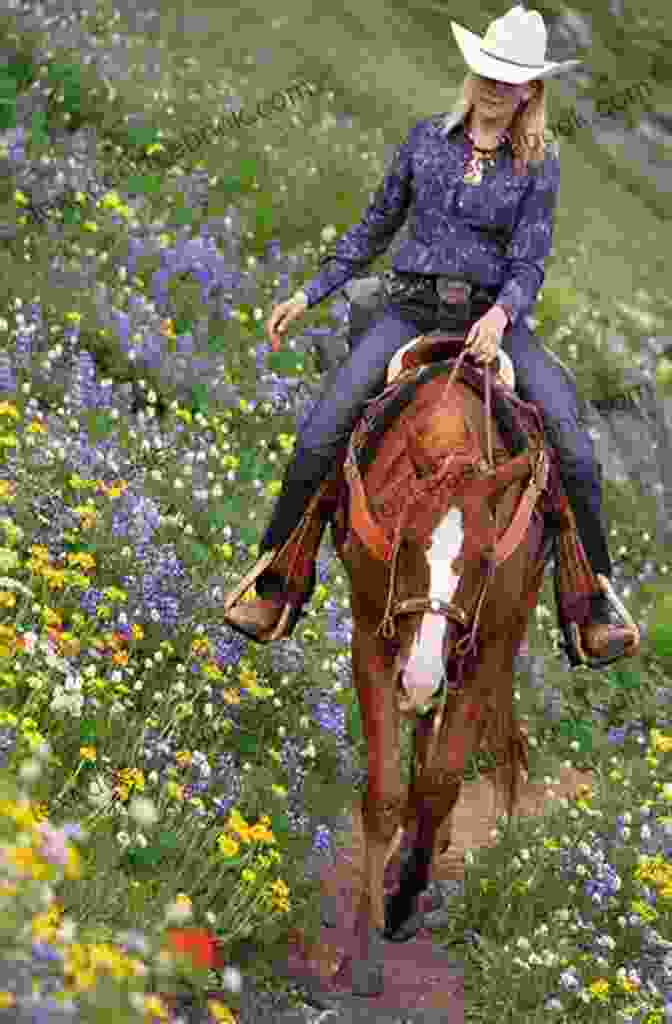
pixel 372 669
pixel 437 792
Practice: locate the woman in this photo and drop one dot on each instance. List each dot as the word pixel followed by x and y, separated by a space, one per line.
pixel 484 190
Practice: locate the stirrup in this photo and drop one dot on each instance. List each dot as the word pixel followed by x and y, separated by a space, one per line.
pixel 573 646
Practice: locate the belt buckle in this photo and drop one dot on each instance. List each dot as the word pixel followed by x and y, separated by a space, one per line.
pixel 453 291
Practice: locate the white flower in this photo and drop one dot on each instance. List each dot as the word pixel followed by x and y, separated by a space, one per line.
pixel 123 839
pixel 30 770
pixel 232 979
pixel 143 811
pixel 66 933
pixel 99 793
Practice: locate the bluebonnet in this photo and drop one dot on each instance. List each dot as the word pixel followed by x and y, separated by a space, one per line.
pixel 162 586
pixel 135 516
pixel 23 347
pixel 323 565
pixel 322 839
pixel 152 349
pixel 617 735
pixel 84 382
pixel 339 625
pixel 43 951
pixel 330 716
pixel 89 600
pixel 136 249
pixel 229 649
pixel 7 376
pixel 497 234
pixel 123 323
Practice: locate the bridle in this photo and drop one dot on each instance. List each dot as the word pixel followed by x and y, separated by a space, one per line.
pixel 455 469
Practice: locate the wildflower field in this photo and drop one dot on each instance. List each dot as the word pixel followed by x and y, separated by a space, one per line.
pixel 164 785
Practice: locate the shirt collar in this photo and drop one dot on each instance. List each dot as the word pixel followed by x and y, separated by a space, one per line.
pixel 455 121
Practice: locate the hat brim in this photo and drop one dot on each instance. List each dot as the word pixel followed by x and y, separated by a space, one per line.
pixel 490 67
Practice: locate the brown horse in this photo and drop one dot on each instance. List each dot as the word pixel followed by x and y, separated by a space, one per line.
pixel 414 602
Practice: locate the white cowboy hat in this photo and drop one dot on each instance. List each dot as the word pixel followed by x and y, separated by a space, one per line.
pixel 512 50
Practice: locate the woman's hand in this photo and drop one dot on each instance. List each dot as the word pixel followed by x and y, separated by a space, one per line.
pixel 485 335
pixel 281 317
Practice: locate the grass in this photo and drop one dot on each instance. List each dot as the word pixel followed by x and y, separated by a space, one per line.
pixel 144 429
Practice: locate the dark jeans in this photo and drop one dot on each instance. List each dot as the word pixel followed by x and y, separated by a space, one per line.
pixel 540 378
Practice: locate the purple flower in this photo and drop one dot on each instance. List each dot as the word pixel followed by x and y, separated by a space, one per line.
pixel 7 376
pixel 322 839
pixel 43 951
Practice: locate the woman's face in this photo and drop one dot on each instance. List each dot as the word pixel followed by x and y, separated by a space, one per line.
pixel 498 101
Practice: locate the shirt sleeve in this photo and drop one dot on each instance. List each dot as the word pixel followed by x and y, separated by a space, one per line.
pixel 532 240
pixel 359 246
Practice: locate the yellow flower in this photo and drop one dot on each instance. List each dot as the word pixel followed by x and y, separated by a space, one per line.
pixel 228 846
pixel 661 742
pixel 260 834
pixel 183 758
pixel 279 888
pixel 44 926
pixel 6 1000
pixel 73 867
pixel 87 753
pixel 21 814
pixel 599 988
pixel 138 632
pixel 154 1007
pixel 9 409
pixel 221 1013
pixel 230 696
pixel 27 863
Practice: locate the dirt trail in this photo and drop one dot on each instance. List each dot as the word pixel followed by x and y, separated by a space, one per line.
pixel 418 975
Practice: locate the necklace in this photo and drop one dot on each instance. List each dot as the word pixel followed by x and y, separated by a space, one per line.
pixel 480 158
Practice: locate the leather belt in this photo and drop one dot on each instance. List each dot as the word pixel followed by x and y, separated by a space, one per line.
pixel 445 296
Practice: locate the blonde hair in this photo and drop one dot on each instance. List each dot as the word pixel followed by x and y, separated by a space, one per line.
pixel 529 134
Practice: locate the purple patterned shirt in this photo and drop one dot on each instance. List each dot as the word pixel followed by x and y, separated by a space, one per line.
pixel 497 234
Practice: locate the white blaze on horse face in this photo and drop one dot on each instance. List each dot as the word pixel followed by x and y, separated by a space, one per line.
pixel 424 670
